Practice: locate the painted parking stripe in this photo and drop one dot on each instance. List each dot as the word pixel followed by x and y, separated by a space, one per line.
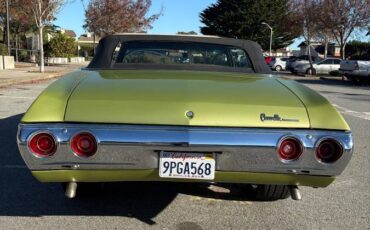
pixel 363 115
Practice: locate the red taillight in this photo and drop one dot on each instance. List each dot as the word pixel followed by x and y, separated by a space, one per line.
pixel 290 149
pixel 329 151
pixel 84 145
pixel 42 145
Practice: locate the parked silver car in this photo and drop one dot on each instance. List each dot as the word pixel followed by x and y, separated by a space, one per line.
pixel 292 63
pixel 323 67
pixel 357 71
pixel 278 63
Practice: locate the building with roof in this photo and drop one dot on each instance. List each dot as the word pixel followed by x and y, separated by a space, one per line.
pixel 88 38
pixel 69 33
pixel 318 49
pixel 32 38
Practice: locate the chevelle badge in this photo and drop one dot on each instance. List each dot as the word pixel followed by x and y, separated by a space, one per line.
pixel 276 117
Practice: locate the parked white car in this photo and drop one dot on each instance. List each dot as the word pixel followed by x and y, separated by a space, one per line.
pixel 278 63
pixel 323 67
pixel 357 71
pixel 301 60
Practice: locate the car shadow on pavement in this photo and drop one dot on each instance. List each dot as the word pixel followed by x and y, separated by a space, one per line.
pixel 22 195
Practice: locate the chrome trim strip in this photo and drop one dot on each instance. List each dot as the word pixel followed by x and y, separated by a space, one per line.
pixel 137 147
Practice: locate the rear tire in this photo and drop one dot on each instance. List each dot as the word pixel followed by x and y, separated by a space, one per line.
pixel 271 192
pixel 278 68
pixel 311 71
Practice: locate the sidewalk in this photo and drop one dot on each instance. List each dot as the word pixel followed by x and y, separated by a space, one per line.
pixel 27 73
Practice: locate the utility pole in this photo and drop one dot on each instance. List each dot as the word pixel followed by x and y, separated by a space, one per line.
pixel 7 25
pixel 264 23
pixel 78 48
pixel 94 43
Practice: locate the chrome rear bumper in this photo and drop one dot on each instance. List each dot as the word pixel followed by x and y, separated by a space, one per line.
pixel 138 147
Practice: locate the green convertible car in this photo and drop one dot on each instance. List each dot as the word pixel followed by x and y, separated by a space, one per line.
pixel 183 108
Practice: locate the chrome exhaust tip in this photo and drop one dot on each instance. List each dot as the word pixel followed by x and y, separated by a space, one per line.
pixel 295 193
pixel 71 190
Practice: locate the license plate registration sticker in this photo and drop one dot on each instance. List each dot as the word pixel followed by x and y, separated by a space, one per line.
pixel 187 165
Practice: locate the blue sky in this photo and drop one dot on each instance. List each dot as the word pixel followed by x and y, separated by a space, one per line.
pixel 178 15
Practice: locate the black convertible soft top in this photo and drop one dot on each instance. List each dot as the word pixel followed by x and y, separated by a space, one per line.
pixel 108 44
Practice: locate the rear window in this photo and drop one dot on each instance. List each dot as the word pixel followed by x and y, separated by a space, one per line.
pixel 181 53
pixel 327 61
pixel 306 58
pixel 337 61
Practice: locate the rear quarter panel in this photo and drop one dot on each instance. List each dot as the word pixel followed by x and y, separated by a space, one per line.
pixel 51 103
pixel 322 114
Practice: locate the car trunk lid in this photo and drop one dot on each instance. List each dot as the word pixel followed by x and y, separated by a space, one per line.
pixel 165 97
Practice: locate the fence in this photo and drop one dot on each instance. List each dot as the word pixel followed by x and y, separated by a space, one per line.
pixel 33 56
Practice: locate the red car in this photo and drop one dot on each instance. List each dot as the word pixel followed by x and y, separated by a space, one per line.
pixel 268 59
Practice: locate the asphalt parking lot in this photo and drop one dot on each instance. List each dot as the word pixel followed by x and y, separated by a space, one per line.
pixel 28 204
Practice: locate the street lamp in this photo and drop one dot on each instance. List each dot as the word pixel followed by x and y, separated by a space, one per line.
pixel 264 23
pixel 7 26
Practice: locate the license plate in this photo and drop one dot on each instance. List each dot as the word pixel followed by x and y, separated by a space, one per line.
pixel 187 165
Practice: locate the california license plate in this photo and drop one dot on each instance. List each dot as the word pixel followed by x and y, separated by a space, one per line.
pixel 187 165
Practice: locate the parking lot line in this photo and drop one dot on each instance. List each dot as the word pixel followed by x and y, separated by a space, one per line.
pixel 363 115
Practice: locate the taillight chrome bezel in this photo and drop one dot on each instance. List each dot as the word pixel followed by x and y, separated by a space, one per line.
pixel 96 141
pixel 38 155
pixel 320 141
pixel 299 144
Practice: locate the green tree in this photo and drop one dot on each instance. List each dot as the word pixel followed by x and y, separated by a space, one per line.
pixel 43 12
pixel 243 18
pixel 358 50
pixel 61 46
pixel 3 49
